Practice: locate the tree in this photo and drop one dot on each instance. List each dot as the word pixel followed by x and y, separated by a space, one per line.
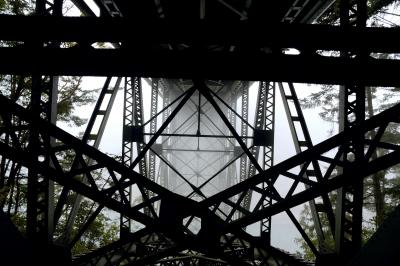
pixel 2 5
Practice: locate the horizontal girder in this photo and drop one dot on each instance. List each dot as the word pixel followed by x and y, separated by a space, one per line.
pixel 199 64
pixel 304 37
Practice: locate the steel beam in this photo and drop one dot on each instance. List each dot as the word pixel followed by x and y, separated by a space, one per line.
pixel 153 127
pixel 232 174
pixel 243 164
pixel 40 194
pixel 84 8
pixel 164 177
pixel 349 205
pixel 268 118
pixel 127 148
pixel 105 29
pixel 209 65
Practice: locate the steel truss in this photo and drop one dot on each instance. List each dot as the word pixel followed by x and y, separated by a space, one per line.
pixel 167 237
pixel 93 137
pixel 244 165
pixel 302 141
pixel 133 120
pixel 92 183
pixel 265 119
pixel 206 209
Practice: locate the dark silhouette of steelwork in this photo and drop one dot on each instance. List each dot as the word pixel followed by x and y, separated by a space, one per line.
pixel 197 173
pixel 302 140
pixel 350 198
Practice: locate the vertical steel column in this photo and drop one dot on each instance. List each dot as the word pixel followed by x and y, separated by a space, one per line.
pixel 352 113
pixel 136 85
pixel 153 126
pixel 127 147
pixel 231 174
pixel 173 92
pixel 243 175
pixel 35 216
pixel 268 158
pixel 264 120
pixel 164 169
pixel 258 125
pixel 232 119
pixel 40 206
pixel 133 120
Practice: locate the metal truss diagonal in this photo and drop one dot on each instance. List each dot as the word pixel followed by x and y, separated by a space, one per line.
pixel 93 137
pixel 152 140
pixel 302 140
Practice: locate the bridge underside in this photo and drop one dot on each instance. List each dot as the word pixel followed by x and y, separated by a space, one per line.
pixel 196 169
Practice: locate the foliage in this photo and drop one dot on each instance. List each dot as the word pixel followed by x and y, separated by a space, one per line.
pixel 2 5
pixel 100 232
pixel 16 7
pixel 308 225
pixel 373 7
pixel 327 99
pixel 70 96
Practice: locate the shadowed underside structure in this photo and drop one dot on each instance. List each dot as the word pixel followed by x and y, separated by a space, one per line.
pixel 200 171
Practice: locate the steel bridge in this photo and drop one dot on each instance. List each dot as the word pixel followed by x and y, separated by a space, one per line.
pixel 200 170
